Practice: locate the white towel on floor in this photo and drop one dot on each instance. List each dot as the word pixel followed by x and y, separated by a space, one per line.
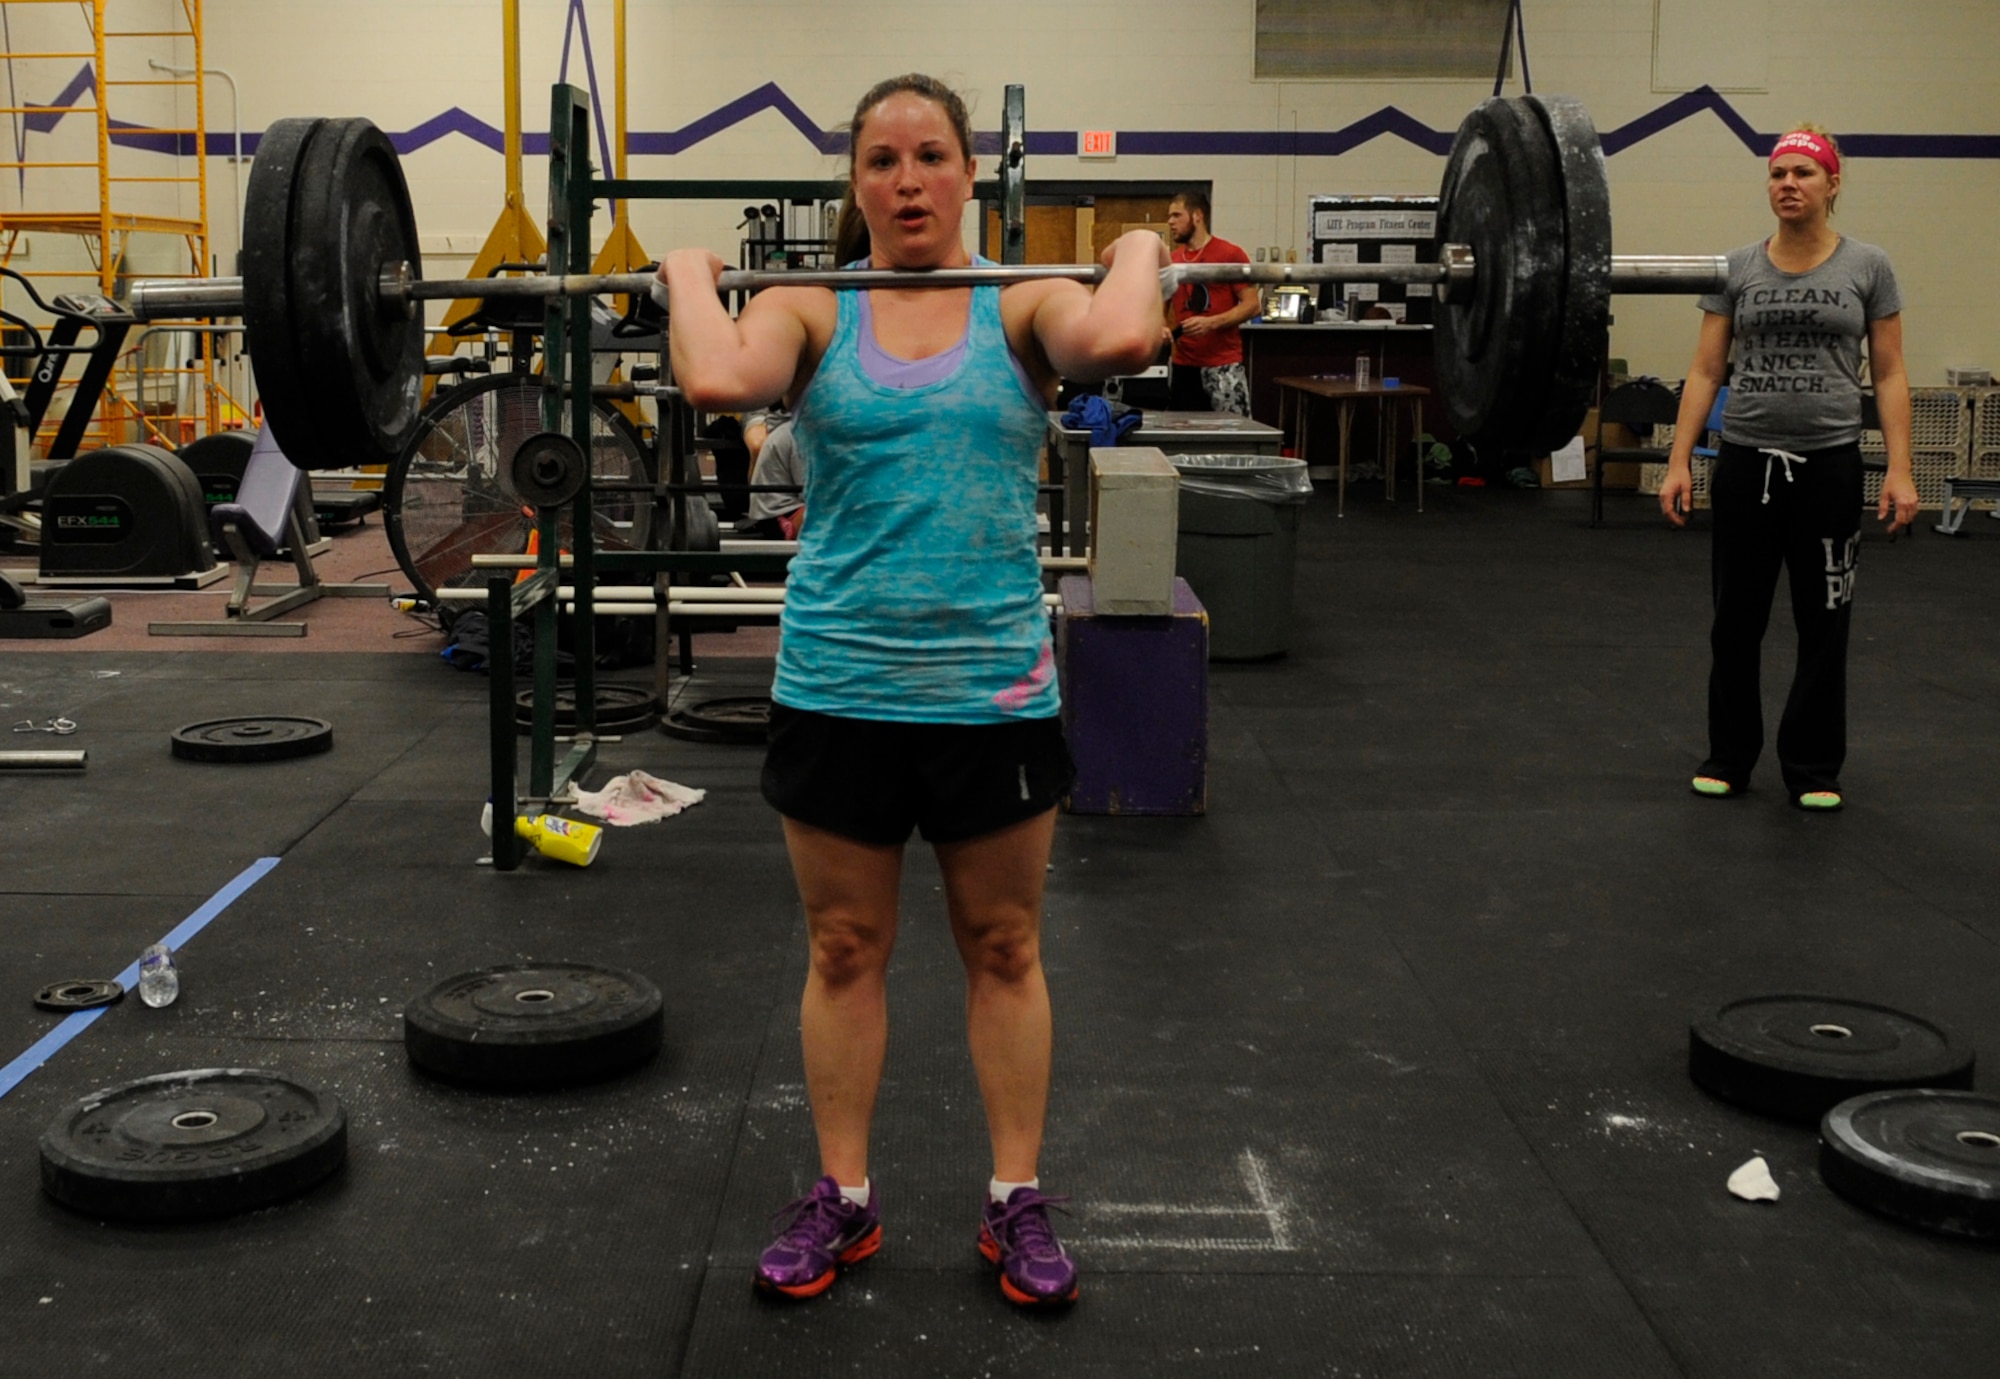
pixel 637 798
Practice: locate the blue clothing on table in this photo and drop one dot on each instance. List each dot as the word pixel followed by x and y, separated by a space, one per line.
pixel 1093 414
pixel 916 594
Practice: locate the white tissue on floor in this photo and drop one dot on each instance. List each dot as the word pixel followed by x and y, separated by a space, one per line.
pixel 637 798
pixel 1753 1182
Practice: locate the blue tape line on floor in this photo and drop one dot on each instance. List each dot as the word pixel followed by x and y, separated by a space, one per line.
pixel 52 1043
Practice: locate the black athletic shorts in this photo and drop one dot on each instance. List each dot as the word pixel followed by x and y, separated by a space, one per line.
pixel 874 781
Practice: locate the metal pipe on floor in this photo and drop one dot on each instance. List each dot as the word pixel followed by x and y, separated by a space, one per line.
pixel 43 761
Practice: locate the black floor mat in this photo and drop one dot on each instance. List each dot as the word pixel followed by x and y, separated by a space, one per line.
pixel 1377 1069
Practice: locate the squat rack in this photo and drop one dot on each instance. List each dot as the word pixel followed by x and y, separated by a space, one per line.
pixel 574 191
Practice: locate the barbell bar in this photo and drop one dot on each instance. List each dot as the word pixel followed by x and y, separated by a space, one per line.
pixel 172 298
pixel 332 277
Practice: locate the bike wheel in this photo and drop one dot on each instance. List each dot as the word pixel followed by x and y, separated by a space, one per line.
pixel 449 497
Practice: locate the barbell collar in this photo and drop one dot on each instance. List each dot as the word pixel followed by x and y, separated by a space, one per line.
pixel 1459 271
pixel 181 299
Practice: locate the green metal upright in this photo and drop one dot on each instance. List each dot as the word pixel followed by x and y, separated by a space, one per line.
pixel 566 363
pixel 566 377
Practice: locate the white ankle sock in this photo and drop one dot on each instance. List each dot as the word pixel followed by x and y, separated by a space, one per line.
pixel 857 1195
pixel 1000 1191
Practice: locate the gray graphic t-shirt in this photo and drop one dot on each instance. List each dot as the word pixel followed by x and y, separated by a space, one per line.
pixel 1797 383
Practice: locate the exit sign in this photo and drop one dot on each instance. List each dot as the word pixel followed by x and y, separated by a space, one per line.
pixel 1097 143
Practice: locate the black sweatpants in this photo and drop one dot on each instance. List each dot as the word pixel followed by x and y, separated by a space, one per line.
pixel 1810 525
pixel 1185 392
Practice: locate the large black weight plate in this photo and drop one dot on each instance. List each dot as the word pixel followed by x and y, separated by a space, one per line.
pixel 1496 346
pixel 535 1025
pixel 1798 1056
pixel 744 719
pixel 270 738
pixel 360 354
pixel 192 1144
pixel 1586 281
pixel 620 708
pixel 694 527
pixel 283 381
pixel 1928 1158
pixel 79 993
pixel 366 354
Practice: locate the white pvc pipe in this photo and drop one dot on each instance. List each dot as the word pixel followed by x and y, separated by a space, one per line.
pixel 640 593
pixel 638 599
pixel 724 610
pixel 529 562
pixel 693 608
pixel 236 118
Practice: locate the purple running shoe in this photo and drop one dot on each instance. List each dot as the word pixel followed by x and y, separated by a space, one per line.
pixel 1035 1270
pixel 815 1235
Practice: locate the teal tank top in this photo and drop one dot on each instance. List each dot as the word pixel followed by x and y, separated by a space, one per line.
pixel 916 594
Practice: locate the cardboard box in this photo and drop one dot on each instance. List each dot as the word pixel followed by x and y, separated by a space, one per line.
pixel 1134 520
pixel 1544 471
pixel 1617 436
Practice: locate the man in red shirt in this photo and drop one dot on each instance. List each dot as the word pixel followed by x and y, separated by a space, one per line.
pixel 1202 319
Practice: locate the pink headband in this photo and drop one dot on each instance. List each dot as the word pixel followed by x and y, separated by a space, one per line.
pixel 1812 146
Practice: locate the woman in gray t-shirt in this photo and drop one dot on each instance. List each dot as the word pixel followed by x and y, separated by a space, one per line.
pixel 1786 487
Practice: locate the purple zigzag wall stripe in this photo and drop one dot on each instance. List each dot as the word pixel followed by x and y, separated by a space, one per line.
pixel 1387 122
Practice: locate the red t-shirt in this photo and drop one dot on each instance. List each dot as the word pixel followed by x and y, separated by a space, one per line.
pixel 1217 347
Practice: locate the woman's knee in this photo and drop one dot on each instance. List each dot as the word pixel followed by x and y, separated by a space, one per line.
pixel 1008 952
pixel 845 951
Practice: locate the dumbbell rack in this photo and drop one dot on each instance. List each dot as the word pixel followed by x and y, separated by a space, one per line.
pixel 573 192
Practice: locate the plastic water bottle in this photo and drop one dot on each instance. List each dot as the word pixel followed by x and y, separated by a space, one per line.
pixel 159 980
pixel 1360 370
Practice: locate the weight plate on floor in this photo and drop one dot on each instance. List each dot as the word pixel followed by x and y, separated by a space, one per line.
pixel 745 719
pixel 1798 1056
pixel 620 708
pixel 535 1024
pixel 192 1144
pixel 79 994
pixel 270 738
pixel 1586 280
pixel 284 380
pixel 1925 1157
pixel 1495 344
pixel 548 469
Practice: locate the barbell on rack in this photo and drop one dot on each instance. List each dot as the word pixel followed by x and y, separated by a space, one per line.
pixel 332 279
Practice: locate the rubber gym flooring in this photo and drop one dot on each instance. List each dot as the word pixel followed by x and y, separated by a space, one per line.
pixel 1378 1069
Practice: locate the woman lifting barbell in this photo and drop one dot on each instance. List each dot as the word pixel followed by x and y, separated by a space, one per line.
pixel 1787 484
pixel 915 684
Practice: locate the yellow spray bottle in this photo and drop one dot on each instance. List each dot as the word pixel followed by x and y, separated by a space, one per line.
pixel 563 839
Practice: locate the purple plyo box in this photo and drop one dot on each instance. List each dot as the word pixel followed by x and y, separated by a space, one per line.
pixel 1135 704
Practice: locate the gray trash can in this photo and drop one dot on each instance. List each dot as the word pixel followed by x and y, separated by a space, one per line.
pixel 1238 547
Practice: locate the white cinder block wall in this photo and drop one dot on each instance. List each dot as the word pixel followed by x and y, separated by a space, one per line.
pixel 1917 67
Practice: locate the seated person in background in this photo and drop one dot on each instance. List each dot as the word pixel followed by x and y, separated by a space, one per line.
pixel 759 424
pixel 776 460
